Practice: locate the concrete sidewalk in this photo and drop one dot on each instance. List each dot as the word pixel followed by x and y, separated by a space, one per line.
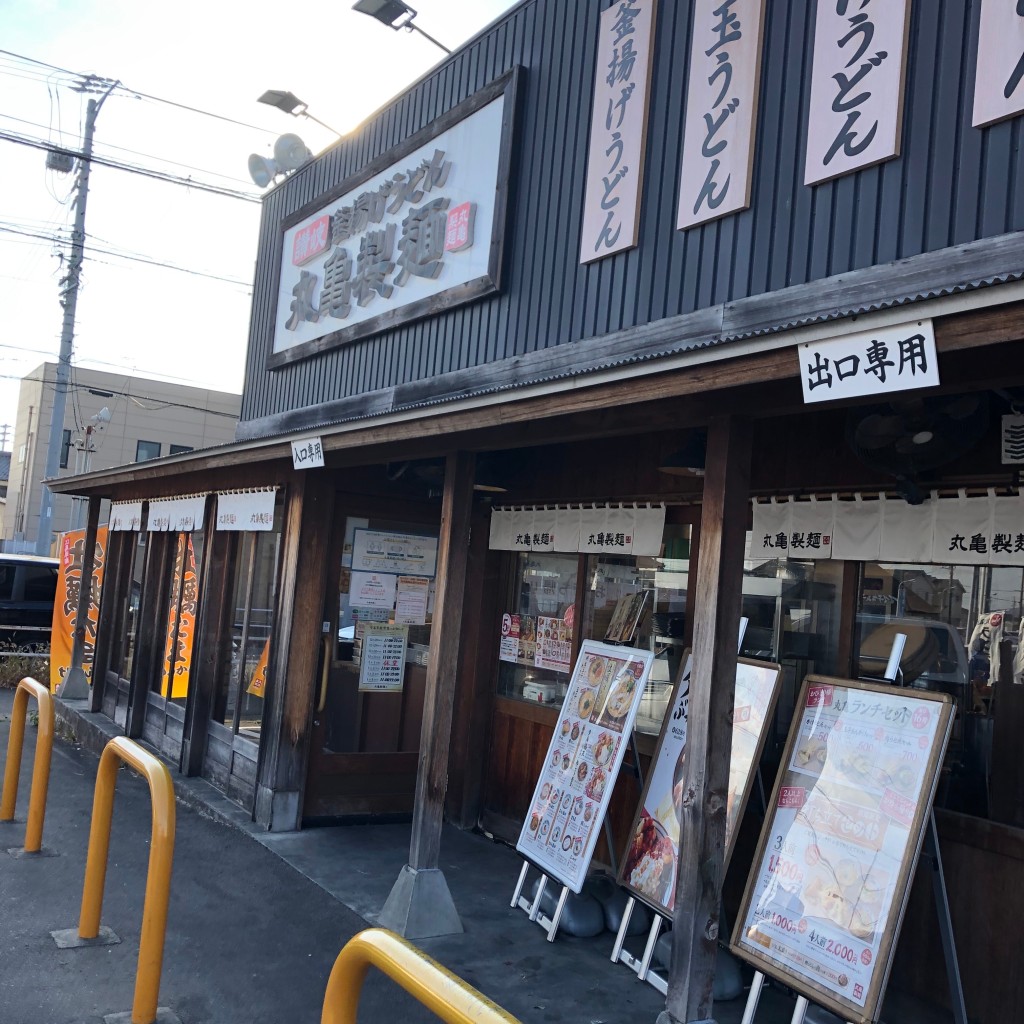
pixel 256 919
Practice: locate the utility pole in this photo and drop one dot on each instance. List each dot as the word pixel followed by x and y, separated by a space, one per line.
pixel 4 429
pixel 69 300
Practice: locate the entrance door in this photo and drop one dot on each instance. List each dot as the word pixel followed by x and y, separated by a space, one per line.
pixel 365 743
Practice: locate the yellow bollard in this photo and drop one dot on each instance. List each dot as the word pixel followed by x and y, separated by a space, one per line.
pixel 40 767
pixel 158 878
pixel 442 992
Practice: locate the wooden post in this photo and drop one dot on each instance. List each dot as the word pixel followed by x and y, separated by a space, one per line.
pixel 420 904
pixel 76 685
pixel 294 651
pixel 717 599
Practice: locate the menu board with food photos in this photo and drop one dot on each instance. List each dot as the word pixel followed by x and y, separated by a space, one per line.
pixel 832 872
pixel 575 785
pixel 648 868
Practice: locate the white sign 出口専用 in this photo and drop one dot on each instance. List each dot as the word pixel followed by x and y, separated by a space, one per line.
pixel 721 110
pixel 856 110
pixel 869 363
pixel 618 125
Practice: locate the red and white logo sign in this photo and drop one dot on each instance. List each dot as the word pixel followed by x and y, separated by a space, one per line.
pixel 459 234
pixel 920 718
pixel 311 240
pixel 820 696
pixel 792 796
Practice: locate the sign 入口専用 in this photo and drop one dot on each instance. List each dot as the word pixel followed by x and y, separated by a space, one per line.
pixel 618 129
pixel 648 869
pixel 307 453
pixel 571 797
pixel 859 63
pixel 721 110
pixel 869 363
pixel 836 856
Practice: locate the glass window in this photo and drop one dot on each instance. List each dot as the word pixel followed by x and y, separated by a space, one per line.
pixel 147 450
pixel 7 572
pixel 239 697
pixel 65 448
pixel 125 630
pixel 40 583
pixel 962 626
pixel 636 601
pixel 537 628
pixel 179 449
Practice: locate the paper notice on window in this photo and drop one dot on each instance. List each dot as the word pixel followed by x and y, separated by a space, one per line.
pixel 411 604
pixel 372 590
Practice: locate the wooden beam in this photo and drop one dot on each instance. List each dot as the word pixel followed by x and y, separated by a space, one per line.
pixel 449 609
pixel 717 599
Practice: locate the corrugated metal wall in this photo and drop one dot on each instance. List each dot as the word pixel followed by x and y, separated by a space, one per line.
pixel 952 184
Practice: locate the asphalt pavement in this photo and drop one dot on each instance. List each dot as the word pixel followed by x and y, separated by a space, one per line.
pixel 256 919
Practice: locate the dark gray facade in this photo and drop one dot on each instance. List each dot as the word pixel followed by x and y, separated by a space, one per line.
pixel 952 185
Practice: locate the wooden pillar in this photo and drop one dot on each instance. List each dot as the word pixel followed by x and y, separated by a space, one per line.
pixel 76 685
pixel 294 652
pixel 717 599
pixel 420 904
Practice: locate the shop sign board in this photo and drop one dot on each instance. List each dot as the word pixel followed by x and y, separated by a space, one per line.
pixel 618 128
pixel 575 786
pixel 872 364
pixel 649 867
pixel 420 230
pixel 410 554
pixel 382 659
pixel 508 648
pixel 65 603
pixel 721 110
pixel 857 76
pixel 999 80
pixel 836 857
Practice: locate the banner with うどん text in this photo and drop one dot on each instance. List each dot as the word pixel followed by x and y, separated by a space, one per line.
pixel 65 605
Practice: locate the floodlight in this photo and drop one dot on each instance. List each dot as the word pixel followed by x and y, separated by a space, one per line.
pixel 291 104
pixel 395 14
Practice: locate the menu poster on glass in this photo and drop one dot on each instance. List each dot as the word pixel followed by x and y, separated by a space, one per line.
pixel 382 661
pixel 832 873
pixel 554 644
pixel 648 868
pixel 583 760
pixel 624 621
pixel 384 551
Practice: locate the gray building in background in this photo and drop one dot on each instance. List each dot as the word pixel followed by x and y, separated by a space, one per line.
pixel 111 419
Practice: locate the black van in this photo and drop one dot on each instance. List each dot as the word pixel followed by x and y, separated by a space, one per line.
pixel 28 584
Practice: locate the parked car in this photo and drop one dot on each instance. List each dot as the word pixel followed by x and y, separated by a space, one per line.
pixel 28 585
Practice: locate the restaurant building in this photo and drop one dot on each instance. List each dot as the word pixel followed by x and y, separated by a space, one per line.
pixel 721 303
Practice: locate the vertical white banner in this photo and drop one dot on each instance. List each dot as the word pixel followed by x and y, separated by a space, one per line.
pixel 856 112
pixel 721 110
pixel 567 529
pixel 906 530
pixel 771 529
pixel 857 533
pixel 999 81
pixel 501 529
pixel 618 128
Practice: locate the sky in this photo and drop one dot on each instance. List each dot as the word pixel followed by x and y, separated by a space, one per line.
pixel 187 325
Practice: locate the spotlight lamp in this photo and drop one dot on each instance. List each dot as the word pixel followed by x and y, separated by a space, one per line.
pixel 395 14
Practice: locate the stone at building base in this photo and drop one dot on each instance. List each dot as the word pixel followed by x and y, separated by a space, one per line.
pixel 20 853
pixel 68 938
pixel 75 685
pixel 420 906
pixel 666 1018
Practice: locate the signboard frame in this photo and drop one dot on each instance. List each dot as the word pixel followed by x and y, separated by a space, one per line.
pixel 506 87
pixel 678 701
pixel 847 1009
pixel 546 805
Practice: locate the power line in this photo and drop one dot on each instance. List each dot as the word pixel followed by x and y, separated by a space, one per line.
pixel 144 95
pixel 137 258
pixel 173 179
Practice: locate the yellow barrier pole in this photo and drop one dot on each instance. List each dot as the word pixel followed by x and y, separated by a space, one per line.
pixel 442 992
pixel 40 767
pixel 158 878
